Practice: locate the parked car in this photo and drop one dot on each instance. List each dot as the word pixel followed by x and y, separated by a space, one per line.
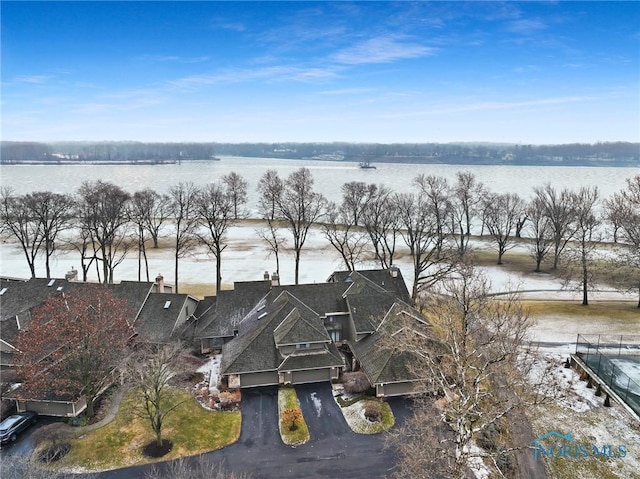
pixel 12 426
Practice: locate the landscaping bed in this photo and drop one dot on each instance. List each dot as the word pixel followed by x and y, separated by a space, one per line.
pixel 293 428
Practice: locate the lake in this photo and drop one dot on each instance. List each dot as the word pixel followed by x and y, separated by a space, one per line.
pixel 328 175
pixel 247 257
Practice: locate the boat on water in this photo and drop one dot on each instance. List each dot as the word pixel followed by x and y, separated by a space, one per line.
pixel 366 165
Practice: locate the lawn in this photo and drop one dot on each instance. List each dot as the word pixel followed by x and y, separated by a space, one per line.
pixel 191 428
pixel 288 399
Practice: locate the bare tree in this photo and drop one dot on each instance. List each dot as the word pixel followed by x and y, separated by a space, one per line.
pixel 420 233
pixel 465 199
pixel 237 191
pixel 270 189
pixel 557 207
pixel 347 239
pixel 215 210
pixel 614 213
pixel 105 207
pixel 380 220
pixel 541 232
pixel 472 358
pixel 154 209
pixel 630 233
pixel 355 196
pixel 138 214
pixel 53 213
pixel 502 213
pixel 300 207
pixel 17 219
pixel 436 193
pixel 183 209
pixel 584 204
pixel 149 371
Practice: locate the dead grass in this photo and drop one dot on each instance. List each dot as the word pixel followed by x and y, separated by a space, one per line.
pixel 625 311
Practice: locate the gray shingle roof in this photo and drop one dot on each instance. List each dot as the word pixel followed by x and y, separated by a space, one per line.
pixel 21 297
pixel 230 307
pixel 313 359
pixel 300 328
pixel 381 362
pixel 156 323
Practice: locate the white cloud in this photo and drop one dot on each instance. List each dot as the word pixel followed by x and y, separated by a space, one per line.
pixel 382 49
pixel 33 79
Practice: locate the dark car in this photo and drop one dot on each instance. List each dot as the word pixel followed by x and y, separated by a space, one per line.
pixel 14 425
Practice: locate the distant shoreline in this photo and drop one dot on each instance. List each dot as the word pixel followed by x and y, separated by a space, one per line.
pixel 579 162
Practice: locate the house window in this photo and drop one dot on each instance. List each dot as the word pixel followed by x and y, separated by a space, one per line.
pixel 303 346
pixel 335 335
pixel 235 333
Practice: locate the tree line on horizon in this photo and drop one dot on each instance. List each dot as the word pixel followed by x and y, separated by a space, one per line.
pixel 601 153
pixel 434 218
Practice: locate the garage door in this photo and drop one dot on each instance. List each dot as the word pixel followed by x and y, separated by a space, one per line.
pixel 310 376
pixel 395 389
pixel 267 378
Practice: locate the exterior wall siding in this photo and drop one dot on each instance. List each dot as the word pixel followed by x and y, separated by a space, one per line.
pixel 53 408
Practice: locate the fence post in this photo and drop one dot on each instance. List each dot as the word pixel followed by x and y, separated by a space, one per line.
pixel 599 360
pixel 620 346
pixel 626 393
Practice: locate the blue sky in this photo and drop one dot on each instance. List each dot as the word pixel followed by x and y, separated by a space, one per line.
pixel 533 72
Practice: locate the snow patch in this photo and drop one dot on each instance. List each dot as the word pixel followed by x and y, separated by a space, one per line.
pixel 317 403
pixel 211 372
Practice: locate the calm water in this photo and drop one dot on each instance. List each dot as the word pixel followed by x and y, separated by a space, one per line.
pixel 329 176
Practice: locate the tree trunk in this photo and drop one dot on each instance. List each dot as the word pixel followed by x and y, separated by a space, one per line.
pixel 297 264
pixel 90 411
pixel 218 272
pixel 176 272
pixel 585 285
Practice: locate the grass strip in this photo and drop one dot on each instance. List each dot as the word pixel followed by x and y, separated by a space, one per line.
pixel 192 429
pixel 288 399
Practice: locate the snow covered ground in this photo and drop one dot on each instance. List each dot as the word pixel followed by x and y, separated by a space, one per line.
pixel 577 410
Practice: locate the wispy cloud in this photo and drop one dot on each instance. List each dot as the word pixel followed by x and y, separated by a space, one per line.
pixel 270 73
pixel 526 26
pixel 346 91
pixel 382 49
pixel 172 58
pixel 33 79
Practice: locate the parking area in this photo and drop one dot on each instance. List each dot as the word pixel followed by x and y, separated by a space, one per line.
pixel 23 446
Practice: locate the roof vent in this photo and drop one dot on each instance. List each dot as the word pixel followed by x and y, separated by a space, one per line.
pixel 2 291
pixel 50 283
pixel 167 304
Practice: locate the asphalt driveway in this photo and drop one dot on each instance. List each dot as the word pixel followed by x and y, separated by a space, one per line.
pixel 321 412
pixel 334 451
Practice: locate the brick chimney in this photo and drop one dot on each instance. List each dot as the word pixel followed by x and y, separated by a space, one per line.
pixel 72 276
pixel 266 276
pixel 159 283
pixel 275 279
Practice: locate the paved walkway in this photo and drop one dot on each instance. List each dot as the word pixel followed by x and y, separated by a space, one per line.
pixel 114 404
